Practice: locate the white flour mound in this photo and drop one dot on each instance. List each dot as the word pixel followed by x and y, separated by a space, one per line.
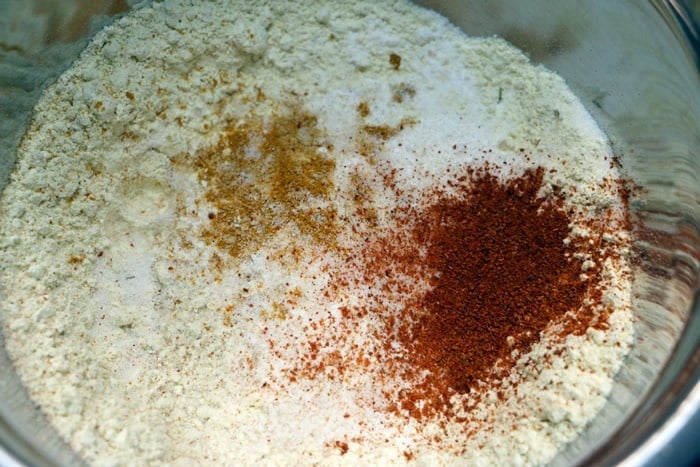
pixel 145 342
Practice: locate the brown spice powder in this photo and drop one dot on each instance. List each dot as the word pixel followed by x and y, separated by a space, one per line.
pixel 395 61
pixel 261 177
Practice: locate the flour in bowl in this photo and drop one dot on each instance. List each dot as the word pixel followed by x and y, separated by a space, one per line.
pixel 313 232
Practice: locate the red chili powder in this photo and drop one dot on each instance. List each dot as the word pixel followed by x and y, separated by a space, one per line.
pixel 500 268
pixel 503 270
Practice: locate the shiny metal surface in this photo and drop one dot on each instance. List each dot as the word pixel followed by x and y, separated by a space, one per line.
pixel 634 64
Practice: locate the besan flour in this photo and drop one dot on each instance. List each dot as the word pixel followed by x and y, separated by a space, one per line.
pixel 189 217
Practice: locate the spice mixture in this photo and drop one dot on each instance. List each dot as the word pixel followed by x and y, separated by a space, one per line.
pixel 262 232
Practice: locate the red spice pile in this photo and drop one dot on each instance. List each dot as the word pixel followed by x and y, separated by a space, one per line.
pixel 496 271
pixel 504 272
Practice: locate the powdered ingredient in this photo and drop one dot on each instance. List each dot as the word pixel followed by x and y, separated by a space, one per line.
pixel 231 225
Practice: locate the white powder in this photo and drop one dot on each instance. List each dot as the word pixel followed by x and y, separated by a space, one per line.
pixel 152 332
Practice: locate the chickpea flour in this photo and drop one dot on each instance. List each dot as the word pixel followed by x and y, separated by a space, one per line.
pixel 288 233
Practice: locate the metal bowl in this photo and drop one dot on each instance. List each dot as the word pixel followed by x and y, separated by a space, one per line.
pixel 635 66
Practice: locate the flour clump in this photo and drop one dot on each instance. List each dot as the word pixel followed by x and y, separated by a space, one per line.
pixel 313 232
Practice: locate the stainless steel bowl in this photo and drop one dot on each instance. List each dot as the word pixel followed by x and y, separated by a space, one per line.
pixel 633 63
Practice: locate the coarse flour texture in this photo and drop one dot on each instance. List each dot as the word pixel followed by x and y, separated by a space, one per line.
pixel 184 239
